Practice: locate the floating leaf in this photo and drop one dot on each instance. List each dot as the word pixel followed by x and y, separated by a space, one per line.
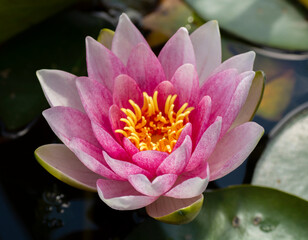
pixel 275 23
pixel 277 96
pixel 167 19
pixel 284 163
pixel 241 212
pixel 18 15
pixel 58 43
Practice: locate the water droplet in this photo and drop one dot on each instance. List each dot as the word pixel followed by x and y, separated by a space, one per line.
pixel 236 221
pixel 267 226
pixel 257 220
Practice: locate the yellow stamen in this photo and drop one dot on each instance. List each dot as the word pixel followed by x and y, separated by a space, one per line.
pixel 149 128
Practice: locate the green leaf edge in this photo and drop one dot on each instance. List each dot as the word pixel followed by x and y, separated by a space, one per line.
pixel 57 174
pixel 262 91
pixel 183 215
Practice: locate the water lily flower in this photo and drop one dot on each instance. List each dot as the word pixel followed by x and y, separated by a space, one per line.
pixel 148 131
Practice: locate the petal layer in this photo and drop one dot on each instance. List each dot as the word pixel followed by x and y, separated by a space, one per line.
pixel 67 123
pixel 232 150
pixel 123 168
pixel 58 160
pixel 177 51
pixel 126 37
pixel 121 195
pixel 157 187
pixel 207 47
pixel 92 158
pixel 176 162
pixel 103 66
pixel 96 100
pixel 60 88
pixel 185 81
pixel 242 62
pixel 126 88
pixel 144 67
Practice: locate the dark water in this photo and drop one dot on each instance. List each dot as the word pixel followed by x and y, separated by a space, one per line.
pixel 35 205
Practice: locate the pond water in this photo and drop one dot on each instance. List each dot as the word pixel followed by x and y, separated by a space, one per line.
pixel 35 205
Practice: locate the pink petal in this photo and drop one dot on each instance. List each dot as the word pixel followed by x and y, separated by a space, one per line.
pixel 188 187
pixel 144 67
pixel 200 118
pixel 237 101
pixel 205 146
pixel 242 62
pixel 157 187
pixel 167 205
pixel 125 88
pixel 58 160
pixel 123 168
pixel 126 37
pixel 207 46
pixel 177 51
pixel 149 160
pixel 92 158
pixel 176 162
pixel 68 123
pixel 185 81
pixel 252 101
pixel 220 88
pixel 115 114
pixel 59 88
pixel 103 66
pixel 164 89
pixel 232 150
pixel 96 100
pixel 185 132
pixel 109 144
pixel 130 147
pixel 121 195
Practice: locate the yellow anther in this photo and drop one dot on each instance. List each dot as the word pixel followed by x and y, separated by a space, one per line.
pixel 155 101
pixel 136 109
pixel 122 132
pixel 150 129
pixel 132 115
pixel 182 108
pixel 167 105
pixel 131 122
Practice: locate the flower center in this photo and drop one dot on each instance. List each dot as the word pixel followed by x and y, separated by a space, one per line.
pixel 149 128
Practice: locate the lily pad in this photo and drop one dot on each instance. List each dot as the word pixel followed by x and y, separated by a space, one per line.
pixel 57 43
pixel 18 15
pixel 284 163
pixel 241 212
pixel 167 19
pixel 277 96
pixel 275 23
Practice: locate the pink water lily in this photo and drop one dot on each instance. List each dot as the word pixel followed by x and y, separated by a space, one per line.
pixel 149 131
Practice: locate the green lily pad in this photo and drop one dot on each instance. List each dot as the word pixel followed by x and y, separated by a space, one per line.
pixel 18 15
pixel 284 163
pixel 240 213
pixel 167 19
pixel 275 23
pixel 277 96
pixel 58 43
